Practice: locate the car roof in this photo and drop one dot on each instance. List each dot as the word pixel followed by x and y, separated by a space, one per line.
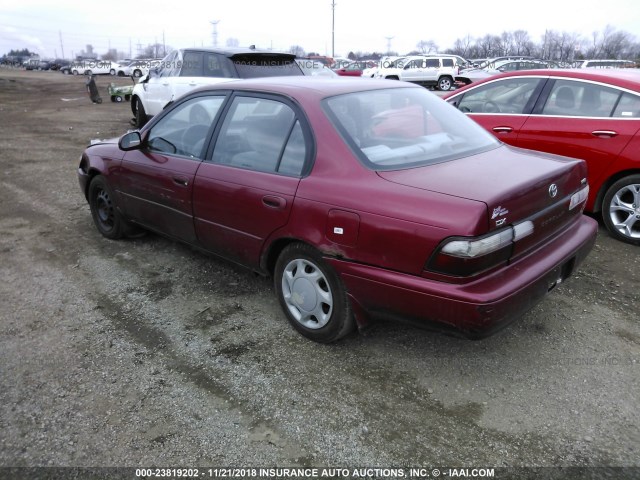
pixel 620 77
pixel 308 86
pixel 231 51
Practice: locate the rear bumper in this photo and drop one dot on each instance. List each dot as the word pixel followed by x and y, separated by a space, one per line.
pixel 478 308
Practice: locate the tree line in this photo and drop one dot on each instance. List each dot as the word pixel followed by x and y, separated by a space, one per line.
pixel 609 43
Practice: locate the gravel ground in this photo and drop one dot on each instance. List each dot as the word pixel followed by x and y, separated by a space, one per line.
pixel 147 353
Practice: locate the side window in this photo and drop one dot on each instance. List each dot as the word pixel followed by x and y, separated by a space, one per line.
pixel 294 153
pixel 254 135
pixel 504 96
pixel 580 99
pixel 628 106
pixel 432 63
pixel 184 130
pixel 447 62
pixel 169 65
pixel 216 66
pixel 192 64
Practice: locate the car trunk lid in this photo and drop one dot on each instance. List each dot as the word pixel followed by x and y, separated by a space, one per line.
pixel 516 185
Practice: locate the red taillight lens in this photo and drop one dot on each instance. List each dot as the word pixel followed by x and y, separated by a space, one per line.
pixel 465 257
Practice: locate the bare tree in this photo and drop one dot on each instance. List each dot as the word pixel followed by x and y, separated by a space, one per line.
pixel 297 50
pixel 461 47
pixel 427 46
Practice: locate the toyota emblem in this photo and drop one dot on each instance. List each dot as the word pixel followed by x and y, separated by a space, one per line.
pixel 553 190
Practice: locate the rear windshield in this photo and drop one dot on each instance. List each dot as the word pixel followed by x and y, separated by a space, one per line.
pixel 253 66
pixel 399 128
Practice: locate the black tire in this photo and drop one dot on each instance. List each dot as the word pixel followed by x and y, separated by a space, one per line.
pixel 621 209
pixel 137 73
pixel 75 72
pixel 141 115
pixel 113 99
pixel 112 72
pixel 445 83
pixel 301 274
pixel 117 98
pixel 104 211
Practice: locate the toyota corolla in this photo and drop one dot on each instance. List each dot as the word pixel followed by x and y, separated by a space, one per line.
pixel 361 199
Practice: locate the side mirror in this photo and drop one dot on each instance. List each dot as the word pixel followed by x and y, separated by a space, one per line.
pixel 130 141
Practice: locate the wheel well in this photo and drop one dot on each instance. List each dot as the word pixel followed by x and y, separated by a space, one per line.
pixel 134 99
pixel 92 173
pixel 597 206
pixel 270 257
pixel 392 77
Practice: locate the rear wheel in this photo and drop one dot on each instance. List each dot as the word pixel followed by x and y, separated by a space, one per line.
pixel 621 209
pixel 312 295
pixel 445 84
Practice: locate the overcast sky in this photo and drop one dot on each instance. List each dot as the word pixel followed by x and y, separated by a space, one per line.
pixel 360 25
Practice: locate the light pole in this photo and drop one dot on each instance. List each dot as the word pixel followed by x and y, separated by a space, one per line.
pixel 215 23
pixel 389 44
pixel 333 28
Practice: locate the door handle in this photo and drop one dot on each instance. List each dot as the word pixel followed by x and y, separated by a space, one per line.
pixel 502 129
pixel 604 133
pixel 272 201
pixel 183 182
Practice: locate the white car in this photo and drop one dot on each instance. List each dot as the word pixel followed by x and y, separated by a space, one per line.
pixel 184 70
pixel 138 68
pixel 436 71
pixel 94 67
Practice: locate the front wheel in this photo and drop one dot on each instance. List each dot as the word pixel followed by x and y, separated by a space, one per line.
pixel 445 84
pixel 105 214
pixel 621 209
pixel 312 295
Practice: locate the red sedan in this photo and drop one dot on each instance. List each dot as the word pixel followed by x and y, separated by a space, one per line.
pixel 353 69
pixel 319 183
pixel 592 114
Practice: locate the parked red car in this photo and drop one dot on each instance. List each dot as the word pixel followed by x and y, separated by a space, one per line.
pixel 353 69
pixel 592 114
pixel 318 183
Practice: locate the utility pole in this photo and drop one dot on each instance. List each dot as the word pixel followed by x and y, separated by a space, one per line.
pixel 215 23
pixel 61 46
pixel 333 28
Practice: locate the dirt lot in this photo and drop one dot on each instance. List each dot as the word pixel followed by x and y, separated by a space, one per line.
pixel 147 353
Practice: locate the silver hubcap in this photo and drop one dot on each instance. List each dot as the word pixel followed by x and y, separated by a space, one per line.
pixel 624 211
pixel 306 293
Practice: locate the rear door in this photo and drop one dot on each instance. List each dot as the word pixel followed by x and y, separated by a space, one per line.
pixel 156 182
pixel 245 190
pixel 503 106
pixel 576 119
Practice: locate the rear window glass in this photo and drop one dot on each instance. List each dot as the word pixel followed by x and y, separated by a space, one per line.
pixel 254 66
pixel 628 106
pixel 399 128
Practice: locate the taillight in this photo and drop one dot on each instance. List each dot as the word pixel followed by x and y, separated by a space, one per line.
pixel 464 257
pixel 579 197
